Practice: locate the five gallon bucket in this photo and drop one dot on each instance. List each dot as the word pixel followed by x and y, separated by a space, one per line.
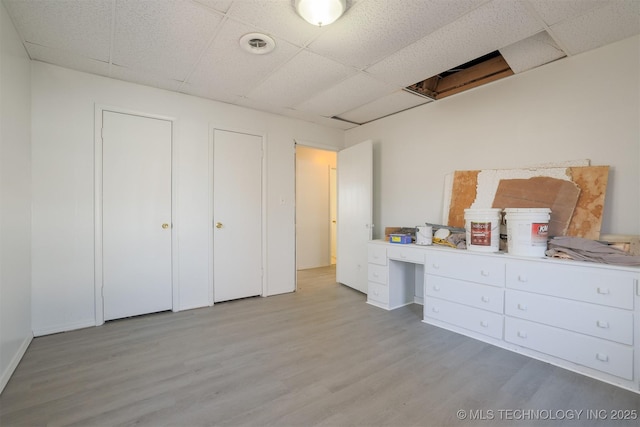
pixel 482 227
pixel 527 231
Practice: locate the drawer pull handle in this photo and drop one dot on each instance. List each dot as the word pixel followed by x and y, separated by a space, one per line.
pixel 603 291
pixel 522 279
pixel 436 288
pixel 602 324
pixel 435 309
pixel 375 275
pixel 376 293
pixel 485 299
pixel 484 273
pixel 522 307
pixel 484 324
pixel 435 266
pixel 522 334
pixel 602 357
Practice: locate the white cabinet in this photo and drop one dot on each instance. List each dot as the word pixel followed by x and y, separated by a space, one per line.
pixel 581 316
pixel 577 313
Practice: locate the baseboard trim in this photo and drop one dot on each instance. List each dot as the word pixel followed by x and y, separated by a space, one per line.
pixel 6 375
pixel 64 328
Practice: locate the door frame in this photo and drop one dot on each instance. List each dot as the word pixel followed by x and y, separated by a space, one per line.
pixel 317 146
pixel 97 204
pixel 263 204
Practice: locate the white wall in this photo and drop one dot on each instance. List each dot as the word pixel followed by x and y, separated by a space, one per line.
pixel 582 107
pixel 15 200
pixel 63 167
pixel 313 243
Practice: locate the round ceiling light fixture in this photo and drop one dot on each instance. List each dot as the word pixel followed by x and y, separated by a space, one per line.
pixel 320 12
pixel 257 43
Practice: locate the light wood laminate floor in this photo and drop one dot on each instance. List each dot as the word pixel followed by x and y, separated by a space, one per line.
pixel 317 357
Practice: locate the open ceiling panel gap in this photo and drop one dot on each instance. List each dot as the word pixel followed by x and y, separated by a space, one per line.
pixel 480 71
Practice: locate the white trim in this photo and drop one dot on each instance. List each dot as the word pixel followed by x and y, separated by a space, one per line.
pixel 64 328
pixel 15 360
pixel 318 145
pixel 98 266
pixel 263 207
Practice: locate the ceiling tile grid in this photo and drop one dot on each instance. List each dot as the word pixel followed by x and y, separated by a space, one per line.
pixel 348 94
pixel 166 37
pixel 382 107
pixel 503 22
pixel 82 27
pixel 306 75
pixel 618 20
pixel 353 69
pixel 377 28
pixel 225 66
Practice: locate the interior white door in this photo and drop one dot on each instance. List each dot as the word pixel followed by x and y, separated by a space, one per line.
pixel 333 213
pixel 237 215
pixel 355 214
pixel 136 215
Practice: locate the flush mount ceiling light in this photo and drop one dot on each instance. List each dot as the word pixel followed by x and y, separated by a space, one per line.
pixel 257 43
pixel 320 12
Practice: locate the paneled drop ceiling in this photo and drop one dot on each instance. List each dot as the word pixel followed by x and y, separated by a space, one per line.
pixel 347 73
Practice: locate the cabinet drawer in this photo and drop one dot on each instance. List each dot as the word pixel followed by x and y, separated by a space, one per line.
pixel 598 286
pixel 466 317
pixel 378 292
pixel 480 296
pixel 378 273
pixel 605 356
pixel 406 254
pixel 603 322
pixel 377 254
pixel 479 269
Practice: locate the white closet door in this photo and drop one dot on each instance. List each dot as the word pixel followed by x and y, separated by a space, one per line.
pixel 136 215
pixel 355 214
pixel 237 215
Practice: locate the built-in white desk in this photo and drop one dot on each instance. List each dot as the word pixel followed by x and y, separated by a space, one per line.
pixel 578 315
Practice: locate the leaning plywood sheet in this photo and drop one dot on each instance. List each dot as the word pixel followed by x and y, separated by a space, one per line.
pixel 587 218
pixel 540 192
pixel 463 193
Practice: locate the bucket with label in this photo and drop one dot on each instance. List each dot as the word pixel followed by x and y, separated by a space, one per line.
pixel 527 231
pixel 482 228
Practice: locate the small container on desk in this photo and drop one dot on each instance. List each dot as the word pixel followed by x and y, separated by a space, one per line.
pixel 400 238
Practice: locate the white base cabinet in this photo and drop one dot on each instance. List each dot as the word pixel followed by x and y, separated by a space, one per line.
pixel 577 315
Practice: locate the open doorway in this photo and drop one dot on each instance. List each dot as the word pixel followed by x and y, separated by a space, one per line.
pixel 316 201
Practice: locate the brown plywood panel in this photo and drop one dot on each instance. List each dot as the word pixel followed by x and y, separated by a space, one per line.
pixel 463 194
pixel 558 195
pixel 587 217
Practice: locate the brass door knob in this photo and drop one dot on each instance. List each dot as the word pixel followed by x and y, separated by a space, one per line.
pixel 218 225
pixel 165 226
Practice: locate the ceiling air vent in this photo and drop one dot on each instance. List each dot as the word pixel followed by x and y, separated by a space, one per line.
pixel 480 71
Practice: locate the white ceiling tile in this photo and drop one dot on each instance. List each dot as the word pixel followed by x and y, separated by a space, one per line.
pixel 314 118
pixel 275 17
pixel 227 67
pixel 143 78
pixel 82 27
pixel 374 29
pixel 346 95
pixel 165 37
pixel 304 76
pixel 390 104
pixel 219 5
pixel 554 11
pixel 207 93
pixel 502 22
pixel 531 52
pixel 617 21
pixel 67 59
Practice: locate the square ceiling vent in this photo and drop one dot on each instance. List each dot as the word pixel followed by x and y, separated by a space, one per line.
pixel 480 71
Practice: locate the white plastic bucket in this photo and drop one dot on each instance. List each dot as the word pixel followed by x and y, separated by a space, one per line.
pixel 424 235
pixel 527 231
pixel 482 227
